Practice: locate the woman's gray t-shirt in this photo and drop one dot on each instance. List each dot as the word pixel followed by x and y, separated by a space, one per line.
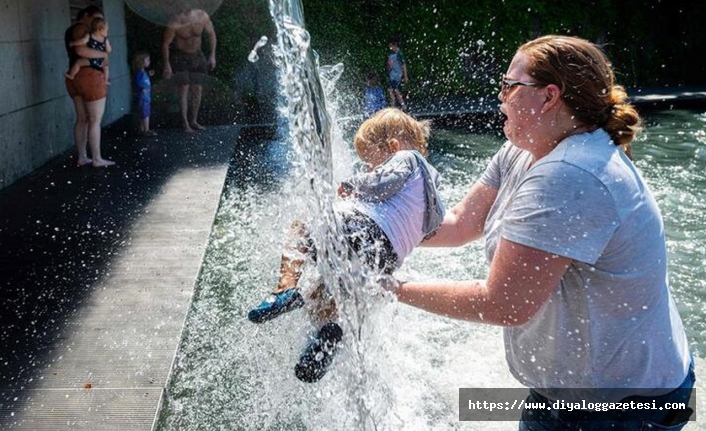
pixel 611 323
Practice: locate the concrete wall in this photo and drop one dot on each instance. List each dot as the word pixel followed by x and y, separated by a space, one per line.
pixel 36 114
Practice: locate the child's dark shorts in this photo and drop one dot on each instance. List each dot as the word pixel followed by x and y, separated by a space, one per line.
pixel 367 240
pixel 394 84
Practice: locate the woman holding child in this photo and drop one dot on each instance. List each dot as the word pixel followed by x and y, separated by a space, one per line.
pixel 88 90
pixel 575 241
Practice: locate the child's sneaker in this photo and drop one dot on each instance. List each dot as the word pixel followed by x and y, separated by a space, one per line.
pixel 318 355
pixel 276 304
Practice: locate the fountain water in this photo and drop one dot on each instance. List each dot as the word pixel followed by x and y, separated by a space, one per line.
pixel 400 368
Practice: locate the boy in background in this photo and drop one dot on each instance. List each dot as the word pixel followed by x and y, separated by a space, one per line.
pixel 374 95
pixel 397 70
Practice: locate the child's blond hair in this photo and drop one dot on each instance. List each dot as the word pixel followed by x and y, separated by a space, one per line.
pixel 392 123
pixel 138 61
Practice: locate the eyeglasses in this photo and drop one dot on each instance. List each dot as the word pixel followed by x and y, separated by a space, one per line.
pixel 506 84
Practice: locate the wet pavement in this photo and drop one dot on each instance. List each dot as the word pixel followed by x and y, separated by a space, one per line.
pixel 97 269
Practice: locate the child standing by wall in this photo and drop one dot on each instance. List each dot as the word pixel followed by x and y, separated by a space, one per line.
pixel 385 213
pixel 397 69
pixel 143 92
pixel 97 39
pixel 374 95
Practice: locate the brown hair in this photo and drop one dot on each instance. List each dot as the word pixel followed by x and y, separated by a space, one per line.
pixel 584 75
pixel 138 61
pixel 98 24
pixel 88 11
pixel 391 123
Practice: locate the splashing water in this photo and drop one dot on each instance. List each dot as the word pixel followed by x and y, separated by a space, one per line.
pixel 400 368
pixel 310 130
pixel 253 57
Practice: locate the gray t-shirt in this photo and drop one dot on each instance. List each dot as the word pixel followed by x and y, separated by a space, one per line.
pixel 401 195
pixel 611 323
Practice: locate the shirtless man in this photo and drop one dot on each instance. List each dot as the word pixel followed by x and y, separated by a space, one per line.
pixel 186 62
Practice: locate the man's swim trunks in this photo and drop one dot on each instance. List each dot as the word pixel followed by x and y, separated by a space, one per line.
pixel 188 69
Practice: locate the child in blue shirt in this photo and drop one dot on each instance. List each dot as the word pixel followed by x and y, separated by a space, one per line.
pixel 397 69
pixel 374 95
pixel 143 92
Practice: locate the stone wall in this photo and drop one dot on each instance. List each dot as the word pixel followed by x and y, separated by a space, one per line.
pixel 36 114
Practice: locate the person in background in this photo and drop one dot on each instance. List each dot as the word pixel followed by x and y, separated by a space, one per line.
pixel 184 60
pixel 143 92
pixel 576 245
pixel 397 71
pixel 88 91
pixel 96 40
pixel 374 95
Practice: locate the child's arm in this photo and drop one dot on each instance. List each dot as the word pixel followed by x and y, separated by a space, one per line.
pixel 81 32
pixel 81 41
pixel 108 48
pixel 383 181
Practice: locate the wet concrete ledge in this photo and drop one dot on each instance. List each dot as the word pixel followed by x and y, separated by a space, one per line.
pixel 97 271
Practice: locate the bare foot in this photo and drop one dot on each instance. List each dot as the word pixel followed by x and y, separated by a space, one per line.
pixel 188 129
pixel 83 161
pixel 102 163
pixel 196 125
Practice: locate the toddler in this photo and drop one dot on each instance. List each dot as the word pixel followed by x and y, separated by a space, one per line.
pixel 374 95
pixel 385 213
pixel 97 39
pixel 143 92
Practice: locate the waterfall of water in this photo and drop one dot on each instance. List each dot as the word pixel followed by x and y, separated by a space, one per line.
pixel 305 86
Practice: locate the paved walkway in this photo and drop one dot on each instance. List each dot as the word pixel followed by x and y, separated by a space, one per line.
pixel 97 270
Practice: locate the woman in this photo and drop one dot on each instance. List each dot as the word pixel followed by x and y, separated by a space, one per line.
pixel 575 241
pixel 88 90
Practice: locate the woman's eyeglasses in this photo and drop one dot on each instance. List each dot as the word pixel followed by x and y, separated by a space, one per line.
pixel 506 84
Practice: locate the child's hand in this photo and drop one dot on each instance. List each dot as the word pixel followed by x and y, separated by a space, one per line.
pixel 344 193
pixel 388 283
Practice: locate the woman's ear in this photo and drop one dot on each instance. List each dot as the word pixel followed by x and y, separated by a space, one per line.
pixel 394 145
pixel 552 98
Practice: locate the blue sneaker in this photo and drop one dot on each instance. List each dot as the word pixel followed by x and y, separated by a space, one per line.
pixel 276 304
pixel 319 353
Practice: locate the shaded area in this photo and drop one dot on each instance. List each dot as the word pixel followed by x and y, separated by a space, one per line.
pixel 262 158
pixel 237 91
pixel 261 166
pixel 61 227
